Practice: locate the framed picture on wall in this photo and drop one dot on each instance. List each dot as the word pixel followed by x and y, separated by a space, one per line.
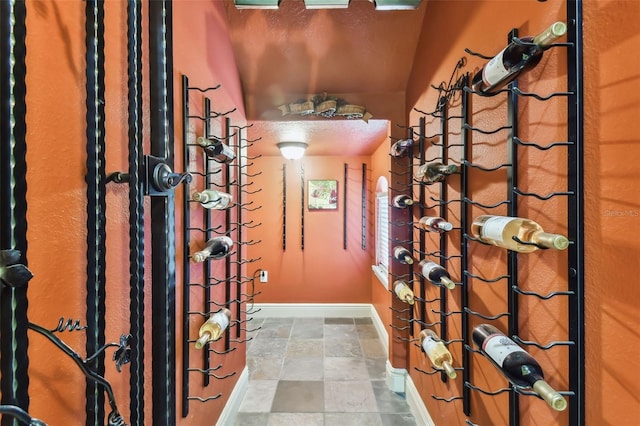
pixel 322 194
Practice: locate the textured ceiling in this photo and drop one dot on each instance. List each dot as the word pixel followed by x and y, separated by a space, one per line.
pixel 359 54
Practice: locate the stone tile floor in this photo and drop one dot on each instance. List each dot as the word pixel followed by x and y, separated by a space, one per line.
pixel 319 372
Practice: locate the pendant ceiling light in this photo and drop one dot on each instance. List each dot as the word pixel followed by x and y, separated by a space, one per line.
pixel 292 150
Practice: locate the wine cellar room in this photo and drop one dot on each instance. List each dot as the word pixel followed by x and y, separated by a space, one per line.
pixel 181 180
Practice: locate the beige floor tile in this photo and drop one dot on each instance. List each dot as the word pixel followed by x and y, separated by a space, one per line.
pixel 349 397
pixel 305 348
pixel 296 419
pixel 372 348
pixel 352 419
pixel 303 369
pixel 345 368
pixel 297 396
pixel 259 396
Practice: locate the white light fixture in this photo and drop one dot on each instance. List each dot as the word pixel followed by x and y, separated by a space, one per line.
pixel 396 4
pixel 292 150
pixel 326 4
pixel 257 4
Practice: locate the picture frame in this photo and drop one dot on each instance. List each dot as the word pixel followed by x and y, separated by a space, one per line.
pixel 322 194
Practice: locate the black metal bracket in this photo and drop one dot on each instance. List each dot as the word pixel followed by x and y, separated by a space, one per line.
pixel 21 415
pixel 160 179
pixel 121 356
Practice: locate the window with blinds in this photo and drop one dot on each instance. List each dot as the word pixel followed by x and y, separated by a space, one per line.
pixel 382 231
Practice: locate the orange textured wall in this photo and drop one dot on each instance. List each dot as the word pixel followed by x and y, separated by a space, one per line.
pixel 322 272
pixel 612 210
pixel 202 52
pixel 56 191
pixel 611 203
pixel 56 202
pixel 464 25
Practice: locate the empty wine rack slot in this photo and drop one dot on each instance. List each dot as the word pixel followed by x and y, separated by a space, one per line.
pixel 218 282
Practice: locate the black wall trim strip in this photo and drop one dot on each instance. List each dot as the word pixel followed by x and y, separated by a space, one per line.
pixel 575 220
pixel 14 361
pixel 163 250
pixel 96 204
pixel 136 209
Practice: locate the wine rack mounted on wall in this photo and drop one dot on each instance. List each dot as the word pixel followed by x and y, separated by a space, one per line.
pixel 214 284
pixel 461 253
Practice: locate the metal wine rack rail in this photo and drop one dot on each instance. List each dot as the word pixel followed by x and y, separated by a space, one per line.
pixel 14 324
pixel 223 276
pixel 434 200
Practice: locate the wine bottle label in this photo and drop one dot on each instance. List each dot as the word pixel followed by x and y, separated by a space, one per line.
pixel 429 345
pixel 495 70
pixel 494 227
pixel 428 267
pixel 499 346
pixel 221 319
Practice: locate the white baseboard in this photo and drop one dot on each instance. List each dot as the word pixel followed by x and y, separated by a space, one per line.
pixel 235 399
pixel 418 409
pixel 380 328
pixel 396 378
pixel 306 310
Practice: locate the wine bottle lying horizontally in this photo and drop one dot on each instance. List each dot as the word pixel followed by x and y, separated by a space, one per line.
pixel 216 248
pixel 401 148
pixel 212 199
pixel 501 230
pixel 402 201
pixel 213 328
pixel 437 352
pixel 402 255
pixel 436 274
pixel 403 291
pixel 434 224
pixel 430 173
pixel 516 364
pixel 515 59
pixel 216 150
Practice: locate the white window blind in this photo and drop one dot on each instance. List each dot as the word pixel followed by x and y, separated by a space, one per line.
pixel 382 231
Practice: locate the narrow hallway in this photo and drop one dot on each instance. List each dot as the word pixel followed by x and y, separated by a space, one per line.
pixel 319 371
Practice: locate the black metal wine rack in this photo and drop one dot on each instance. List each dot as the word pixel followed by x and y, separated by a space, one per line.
pixel 203 282
pixel 436 200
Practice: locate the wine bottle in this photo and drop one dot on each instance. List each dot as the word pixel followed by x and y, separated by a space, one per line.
pixel 437 352
pixel 212 329
pixel 402 290
pixel 216 149
pixel 216 248
pixel 500 230
pixel 516 364
pixel 515 59
pixel 436 274
pixel 402 201
pixel 212 199
pixel 401 147
pixel 402 255
pixel 434 224
pixel 431 173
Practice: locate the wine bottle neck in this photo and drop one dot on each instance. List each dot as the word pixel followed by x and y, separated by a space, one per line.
pixel 553 398
pixel 552 241
pixel 551 34
pixel 448 283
